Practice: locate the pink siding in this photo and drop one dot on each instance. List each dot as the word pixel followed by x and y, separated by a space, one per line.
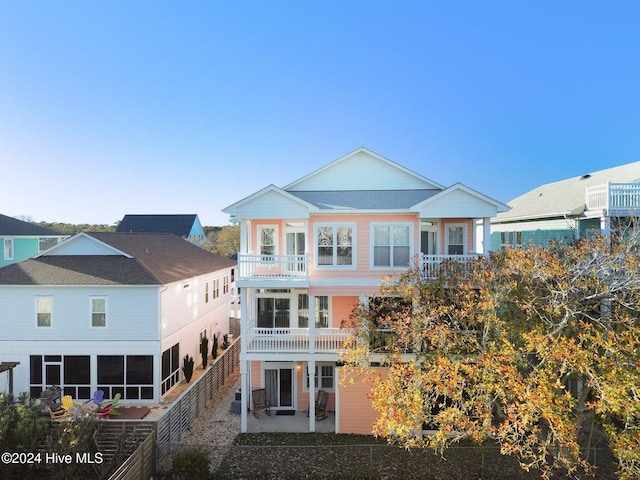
pixel 363 242
pixel 341 309
pixel 356 413
pixel 256 375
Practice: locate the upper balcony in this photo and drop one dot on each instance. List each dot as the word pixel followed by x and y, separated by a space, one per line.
pixel 295 268
pixel 617 199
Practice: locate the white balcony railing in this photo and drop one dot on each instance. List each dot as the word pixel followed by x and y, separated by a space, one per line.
pixel 615 198
pixel 264 267
pixel 432 265
pixel 296 339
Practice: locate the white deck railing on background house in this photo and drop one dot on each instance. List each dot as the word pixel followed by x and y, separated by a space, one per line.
pixel 615 198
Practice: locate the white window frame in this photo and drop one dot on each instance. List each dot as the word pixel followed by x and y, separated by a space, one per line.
pixel 206 292
pixel 225 284
pixel 44 311
pixel 391 225
pixel 94 312
pixel 8 245
pixel 260 229
pixel 465 247
pixel 335 226
pixel 216 288
pixel 318 377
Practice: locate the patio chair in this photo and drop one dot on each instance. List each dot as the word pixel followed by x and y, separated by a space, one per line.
pixel 65 406
pixel 321 404
pixel 98 397
pixel 260 402
pixel 113 402
pixel 104 413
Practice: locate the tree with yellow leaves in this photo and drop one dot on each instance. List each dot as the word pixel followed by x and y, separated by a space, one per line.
pixel 535 349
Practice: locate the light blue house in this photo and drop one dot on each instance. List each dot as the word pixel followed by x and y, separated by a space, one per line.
pixel 184 226
pixel 578 207
pixel 22 240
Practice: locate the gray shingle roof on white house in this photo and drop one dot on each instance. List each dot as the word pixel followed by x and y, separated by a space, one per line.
pixel 565 197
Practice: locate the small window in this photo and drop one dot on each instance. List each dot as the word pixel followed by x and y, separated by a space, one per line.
pixel 98 312
pixel 8 248
pixel 323 378
pixel 44 309
pixel 216 288
pixel 225 284
pixel 456 239
pixel 206 292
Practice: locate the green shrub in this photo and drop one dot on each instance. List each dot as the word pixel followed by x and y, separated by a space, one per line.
pixel 187 367
pixel 191 464
pixel 214 349
pixel 204 351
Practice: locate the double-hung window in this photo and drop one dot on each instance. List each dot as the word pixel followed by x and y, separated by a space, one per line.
pixel 323 377
pixel 335 245
pixel 455 239
pixel 98 312
pixel 44 310
pixel 391 245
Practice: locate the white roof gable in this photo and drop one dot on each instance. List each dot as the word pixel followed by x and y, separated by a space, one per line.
pixel 266 202
pixel 459 201
pixel 82 244
pixel 362 170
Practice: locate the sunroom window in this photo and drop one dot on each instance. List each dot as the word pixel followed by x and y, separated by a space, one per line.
pixel 335 245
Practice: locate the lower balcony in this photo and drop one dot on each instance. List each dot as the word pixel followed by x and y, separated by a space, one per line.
pixel 329 340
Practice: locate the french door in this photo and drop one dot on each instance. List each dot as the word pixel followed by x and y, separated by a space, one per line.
pixel 296 245
pixel 279 386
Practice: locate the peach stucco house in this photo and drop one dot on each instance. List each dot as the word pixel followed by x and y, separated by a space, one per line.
pixel 310 251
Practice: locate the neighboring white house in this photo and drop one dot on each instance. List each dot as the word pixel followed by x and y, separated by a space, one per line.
pixel 112 311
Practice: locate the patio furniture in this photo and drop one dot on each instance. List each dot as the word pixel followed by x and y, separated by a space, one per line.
pixel 260 402
pixel 321 404
pixel 98 397
pixel 104 413
pixel 66 405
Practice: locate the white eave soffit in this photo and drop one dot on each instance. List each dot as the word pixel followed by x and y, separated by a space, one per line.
pixel 271 202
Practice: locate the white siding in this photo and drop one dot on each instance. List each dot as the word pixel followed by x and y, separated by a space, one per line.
pixel 361 171
pixel 132 313
pixel 273 205
pixel 457 204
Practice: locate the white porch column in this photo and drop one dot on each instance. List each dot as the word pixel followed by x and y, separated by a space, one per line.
pixel 312 324
pixel 244 394
pixel 311 373
pixel 486 235
pixel 245 367
pixel 605 225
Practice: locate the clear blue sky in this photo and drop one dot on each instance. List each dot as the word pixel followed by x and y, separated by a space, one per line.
pixel 116 107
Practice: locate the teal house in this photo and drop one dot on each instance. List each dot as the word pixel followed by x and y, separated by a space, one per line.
pixel 597 203
pixel 22 240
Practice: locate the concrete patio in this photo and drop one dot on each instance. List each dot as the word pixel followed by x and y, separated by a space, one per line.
pixel 298 423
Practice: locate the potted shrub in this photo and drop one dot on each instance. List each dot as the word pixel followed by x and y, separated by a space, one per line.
pixel 204 351
pixel 214 349
pixel 187 367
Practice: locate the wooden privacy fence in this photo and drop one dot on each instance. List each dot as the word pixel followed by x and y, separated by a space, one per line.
pixel 185 409
pixel 177 418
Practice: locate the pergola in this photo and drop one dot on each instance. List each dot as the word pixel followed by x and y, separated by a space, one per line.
pixel 8 367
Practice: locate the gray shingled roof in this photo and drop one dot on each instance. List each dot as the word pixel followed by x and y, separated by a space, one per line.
pixel 566 197
pixel 157 259
pixel 10 226
pixel 365 199
pixel 179 225
pixel 77 270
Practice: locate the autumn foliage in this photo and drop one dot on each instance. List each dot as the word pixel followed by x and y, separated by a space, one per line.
pixel 536 349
